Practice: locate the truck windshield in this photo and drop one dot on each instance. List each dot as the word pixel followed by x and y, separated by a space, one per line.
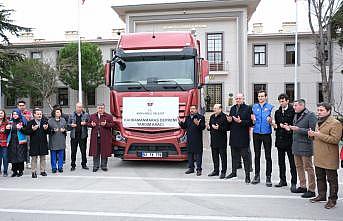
pixel 155 73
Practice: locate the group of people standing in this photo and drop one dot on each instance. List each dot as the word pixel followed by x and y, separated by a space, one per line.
pixel 24 135
pixel 299 134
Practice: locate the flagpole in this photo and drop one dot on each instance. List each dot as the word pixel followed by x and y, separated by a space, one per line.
pixel 79 50
pixel 296 53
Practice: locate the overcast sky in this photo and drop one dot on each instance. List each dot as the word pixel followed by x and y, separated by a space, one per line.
pixel 50 18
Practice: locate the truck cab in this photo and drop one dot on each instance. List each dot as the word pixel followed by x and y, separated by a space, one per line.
pixel 154 78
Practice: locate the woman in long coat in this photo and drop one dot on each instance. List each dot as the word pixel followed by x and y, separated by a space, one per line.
pixel 17 144
pixel 57 139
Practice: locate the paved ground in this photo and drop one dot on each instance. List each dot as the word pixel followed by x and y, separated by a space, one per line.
pixel 152 191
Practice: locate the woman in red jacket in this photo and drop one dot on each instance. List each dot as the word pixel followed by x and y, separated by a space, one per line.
pixel 3 142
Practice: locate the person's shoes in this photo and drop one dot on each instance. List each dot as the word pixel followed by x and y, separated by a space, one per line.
pixel 330 204
pixel 269 182
pixel 189 171
pixel 281 184
pixel 43 174
pixel 34 175
pixel 5 174
pixel 198 172
pixel 300 190
pixel 72 168
pixel 14 174
pixel 293 188
pixel 318 199
pixel 54 170
pixel 60 170
pixel 308 194
pixel 95 170
pixel 222 175
pixel 231 175
pixel 85 167
pixel 20 174
pixel 256 180
pixel 247 179
pixel 214 173
pixel 104 169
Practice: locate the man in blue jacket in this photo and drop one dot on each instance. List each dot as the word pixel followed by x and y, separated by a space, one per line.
pixel 262 131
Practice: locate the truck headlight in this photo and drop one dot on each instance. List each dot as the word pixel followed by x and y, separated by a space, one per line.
pixel 119 137
pixel 183 139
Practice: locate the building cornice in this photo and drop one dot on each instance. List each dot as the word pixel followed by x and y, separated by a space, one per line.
pixel 122 9
pixel 50 44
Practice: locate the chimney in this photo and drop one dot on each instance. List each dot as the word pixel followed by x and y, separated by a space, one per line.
pixel 27 36
pixel 257 28
pixel 71 35
pixel 288 27
pixel 116 32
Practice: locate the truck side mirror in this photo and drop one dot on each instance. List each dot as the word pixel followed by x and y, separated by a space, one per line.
pixel 204 71
pixel 108 68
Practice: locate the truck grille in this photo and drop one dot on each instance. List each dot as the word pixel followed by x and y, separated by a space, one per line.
pixel 169 148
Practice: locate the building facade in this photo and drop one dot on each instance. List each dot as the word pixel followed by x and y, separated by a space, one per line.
pixel 239 61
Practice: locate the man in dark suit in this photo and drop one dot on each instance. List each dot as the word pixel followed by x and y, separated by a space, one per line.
pixel 194 124
pixel 240 123
pixel 37 129
pixel 283 140
pixel 218 127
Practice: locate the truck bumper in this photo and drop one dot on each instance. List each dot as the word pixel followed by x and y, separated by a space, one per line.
pixel 138 152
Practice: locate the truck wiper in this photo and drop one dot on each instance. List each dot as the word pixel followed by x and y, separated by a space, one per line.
pixel 176 84
pixel 136 82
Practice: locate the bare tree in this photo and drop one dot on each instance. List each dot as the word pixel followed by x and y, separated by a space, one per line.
pixel 321 12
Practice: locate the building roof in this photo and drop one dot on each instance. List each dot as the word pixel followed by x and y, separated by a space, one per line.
pixel 123 7
pixel 45 43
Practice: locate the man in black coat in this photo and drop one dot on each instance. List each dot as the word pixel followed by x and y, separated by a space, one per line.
pixel 37 129
pixel 240 123
pixel 284 116
pixel 194 125
pixel 218 127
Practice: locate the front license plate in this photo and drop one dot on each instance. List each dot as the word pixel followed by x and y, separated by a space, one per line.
pixel 152 154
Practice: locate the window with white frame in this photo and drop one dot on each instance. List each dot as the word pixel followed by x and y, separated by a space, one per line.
pixel 215 51
pixel 260 54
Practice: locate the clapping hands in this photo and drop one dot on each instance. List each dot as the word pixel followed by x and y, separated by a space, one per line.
pixel 215 126
pixel 196 121
pixel 237 119
pixel 35 127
